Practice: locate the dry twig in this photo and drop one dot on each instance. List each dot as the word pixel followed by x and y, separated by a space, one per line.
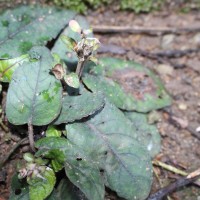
pixel 174 186
pixel 23 141
pixel 156 31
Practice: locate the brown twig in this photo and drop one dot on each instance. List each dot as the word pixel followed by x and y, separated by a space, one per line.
pixel 166 54
pixel 161 56
pixel 156 31
pixel 174 186
pixel 3 126
pixel 31 136
pixel 23 141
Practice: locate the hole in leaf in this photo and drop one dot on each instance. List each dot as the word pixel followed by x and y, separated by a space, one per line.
pixel 78 159
pixel 18 191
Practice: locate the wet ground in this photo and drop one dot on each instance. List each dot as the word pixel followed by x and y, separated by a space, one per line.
pixel 181 77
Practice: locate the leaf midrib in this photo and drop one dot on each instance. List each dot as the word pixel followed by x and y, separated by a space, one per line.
pixel 100 134
pixel 32 109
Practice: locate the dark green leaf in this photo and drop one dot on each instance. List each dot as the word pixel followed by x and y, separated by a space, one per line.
pixel 34 95
pixel 129 85
pixel 40 188
pixel 108 140
pixel 146 134
pixel 66 191
pixel 28 26
pixel 8 66
pixel 65 52
pixel 19 189
pixel 84 174
pixel 78 107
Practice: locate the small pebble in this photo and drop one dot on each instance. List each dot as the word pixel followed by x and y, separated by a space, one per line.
pixel 182 106
pixel 165 69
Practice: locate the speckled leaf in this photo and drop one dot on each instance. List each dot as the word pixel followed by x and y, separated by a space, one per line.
pixel 72 80
pixel 107 139
pixel 65 52
pixel 129 85
pixel 8 66
pixel 82 173
pixel 78 107
pixel 146 134
pixel 34 95
pixel 28 26
pixel 40 188
pixel 19 189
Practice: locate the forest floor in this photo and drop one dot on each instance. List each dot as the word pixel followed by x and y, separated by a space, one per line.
pixel 179 124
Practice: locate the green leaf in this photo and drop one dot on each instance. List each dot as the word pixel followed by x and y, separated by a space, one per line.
pixel 34 95
pixel 78 107
pixel 40 188
pixel 129 85
pixel 86 176
pixel 52 131
pixel 19 189
pixel 107 139
pixel 28 157
pixel 70 42
pixel 29 26
pixel 8 66
pixel 65 52
pixel 146 134
pixel 72 80
pixel 66 191
pixel 82 173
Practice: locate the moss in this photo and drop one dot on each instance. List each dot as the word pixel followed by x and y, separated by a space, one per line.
pixel 139 5
pixel 81 6
pixel 77 5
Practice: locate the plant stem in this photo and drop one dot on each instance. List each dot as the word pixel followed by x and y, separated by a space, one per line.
pixel 169 168
pixel 80 68
pixel 30 136
pixel 173 169
pixel 12 151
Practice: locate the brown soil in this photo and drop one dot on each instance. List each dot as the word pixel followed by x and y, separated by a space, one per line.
pixel 180 142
